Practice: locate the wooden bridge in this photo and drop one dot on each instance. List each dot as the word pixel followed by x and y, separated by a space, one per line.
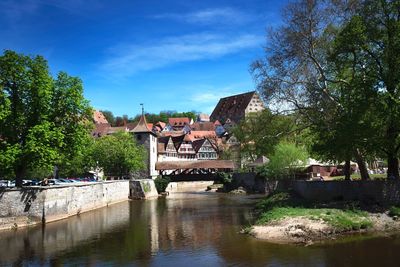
pixel 194 167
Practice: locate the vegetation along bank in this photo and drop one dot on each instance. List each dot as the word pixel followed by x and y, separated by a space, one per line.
pixel 287 218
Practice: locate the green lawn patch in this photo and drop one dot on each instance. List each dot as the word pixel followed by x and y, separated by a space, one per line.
pixel 394 211
pixel 283 205
pixel 358 177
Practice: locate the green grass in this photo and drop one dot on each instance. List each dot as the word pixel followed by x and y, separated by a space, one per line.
pixel 394 211
pixel 358 177
pixel 283 205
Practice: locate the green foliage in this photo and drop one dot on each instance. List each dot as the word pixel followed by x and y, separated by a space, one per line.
pixel 343 220
pixel 109 116
pixel 394 211
pixel 146 186
pixel 259 132
pixel 118 154
pixel 161 183
pixel 224 177
pixel 42 120
pixel 284 162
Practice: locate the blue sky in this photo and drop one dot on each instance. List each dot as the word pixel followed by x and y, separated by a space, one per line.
pixel 170 55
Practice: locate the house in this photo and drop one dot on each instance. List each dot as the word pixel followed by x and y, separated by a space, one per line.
pixel 158 127
pixel 194 135
pixel 205 150
pixel 179 123
pixel 202 117
pixel 203 126
pixel 236 107
pixel 166 149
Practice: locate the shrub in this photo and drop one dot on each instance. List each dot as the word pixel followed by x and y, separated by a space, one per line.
pixel 161 183
pixel 224 177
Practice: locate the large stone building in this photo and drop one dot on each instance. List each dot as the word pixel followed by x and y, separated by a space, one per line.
pixel 233 109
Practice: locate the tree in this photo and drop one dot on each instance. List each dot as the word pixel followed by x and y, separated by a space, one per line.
pixel 43 121
pixel 299 72
pixel 109 116
pixel 259 132
pixel 371 39
pixel 284 161
pixel 118 154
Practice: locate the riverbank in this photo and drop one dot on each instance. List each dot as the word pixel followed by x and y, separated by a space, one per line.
pixel 284 218
pixel 21 207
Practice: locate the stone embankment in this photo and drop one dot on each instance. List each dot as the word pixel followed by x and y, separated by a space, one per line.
pixel 34 205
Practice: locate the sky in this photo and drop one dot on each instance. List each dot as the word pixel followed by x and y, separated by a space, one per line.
pixel 180 55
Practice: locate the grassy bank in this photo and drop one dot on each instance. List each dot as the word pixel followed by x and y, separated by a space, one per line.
pixel 358 177
pixel 282 205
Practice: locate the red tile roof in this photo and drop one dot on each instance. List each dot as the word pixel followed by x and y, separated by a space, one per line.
pixel 98 117
pixel 202 134
pixel 202 126
pixel 178 121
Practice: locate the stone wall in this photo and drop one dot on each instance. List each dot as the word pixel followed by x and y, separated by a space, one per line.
pixel 256 184
pixel 194 186
pixel 379 192
pixel 20 207
pixel 142 189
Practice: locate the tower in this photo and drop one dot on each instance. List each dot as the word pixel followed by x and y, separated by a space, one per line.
pixel 148 139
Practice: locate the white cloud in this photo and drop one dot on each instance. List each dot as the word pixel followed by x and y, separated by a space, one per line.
pixel 208 16
pixel 126 60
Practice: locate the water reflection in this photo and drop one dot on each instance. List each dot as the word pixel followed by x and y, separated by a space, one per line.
pixel 182 230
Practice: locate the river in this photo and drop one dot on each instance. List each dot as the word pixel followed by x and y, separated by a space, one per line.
pixel 182 230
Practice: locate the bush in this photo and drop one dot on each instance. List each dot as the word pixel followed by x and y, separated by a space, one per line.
pixel 225 178
pixel 284 162
pixel 161 183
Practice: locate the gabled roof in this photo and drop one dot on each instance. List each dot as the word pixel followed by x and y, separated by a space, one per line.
pixel 203 126
pixel 202 134
pixel 98 117
pixel 203 117
pixel 142 126
pixel 197 144
pixel 232 106
pixel 178 122
pixel 160 124
pixel 178 140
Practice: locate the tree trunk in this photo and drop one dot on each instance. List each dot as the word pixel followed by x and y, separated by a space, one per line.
pixel 361 166
pixel 19 176
pixel 393 166
pixel 346 170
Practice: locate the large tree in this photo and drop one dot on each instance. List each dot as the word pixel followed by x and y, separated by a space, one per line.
pixel 371 42
pixel 42 121
pixel 118 154
pixel 259 132
pixel 298 71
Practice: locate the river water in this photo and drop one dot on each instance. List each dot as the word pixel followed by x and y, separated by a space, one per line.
pixel 182 230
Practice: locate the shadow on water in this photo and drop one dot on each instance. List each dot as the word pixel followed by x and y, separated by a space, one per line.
pixel 191 230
